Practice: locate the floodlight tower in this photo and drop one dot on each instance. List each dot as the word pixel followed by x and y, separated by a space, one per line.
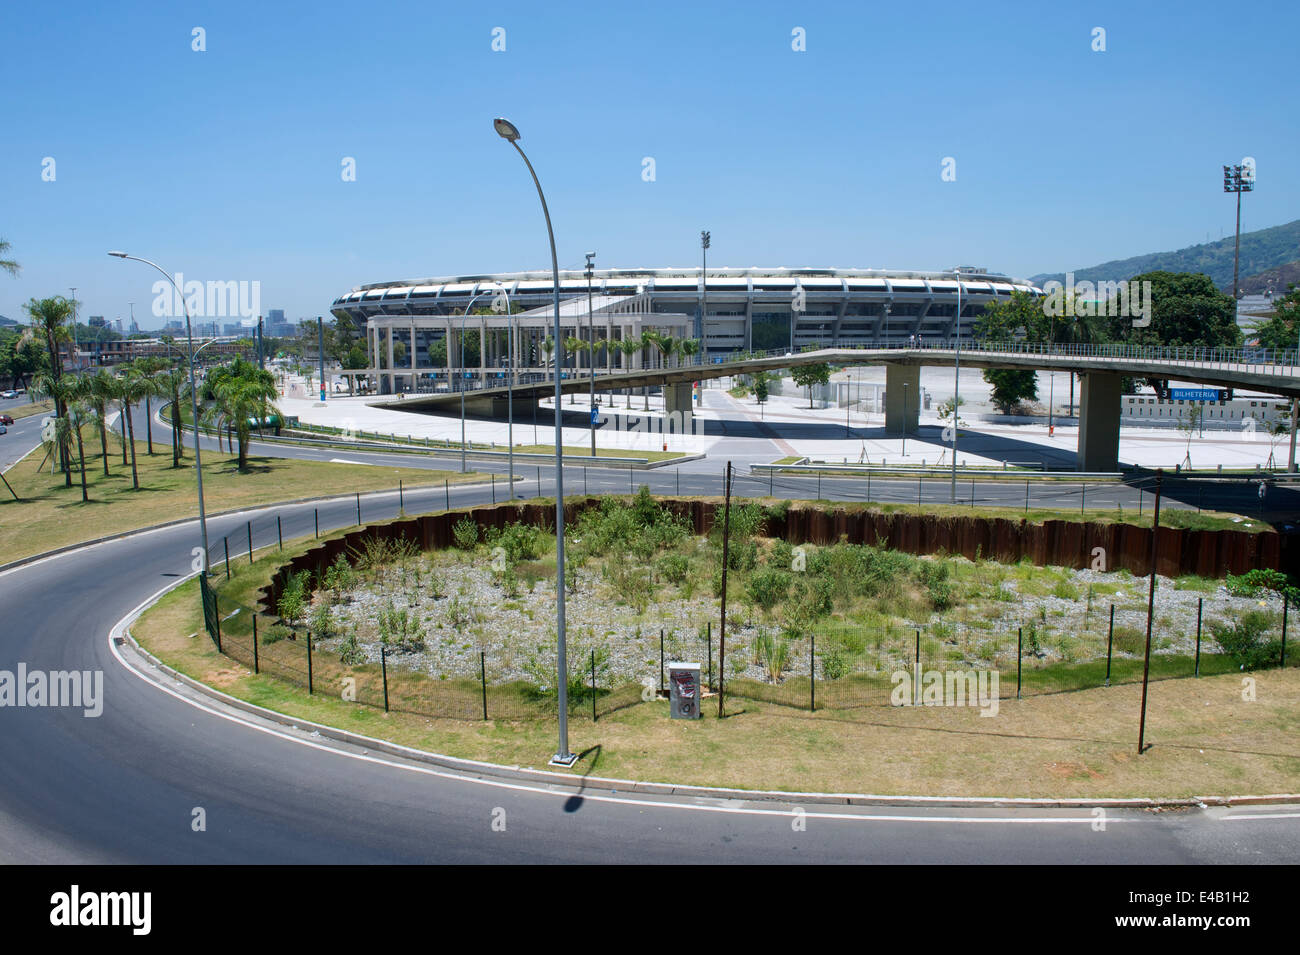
pixel 1238 178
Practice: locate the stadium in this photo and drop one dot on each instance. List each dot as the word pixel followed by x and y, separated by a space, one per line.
pixel 413 329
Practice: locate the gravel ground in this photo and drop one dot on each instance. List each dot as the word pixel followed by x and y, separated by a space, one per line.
pixel 467 613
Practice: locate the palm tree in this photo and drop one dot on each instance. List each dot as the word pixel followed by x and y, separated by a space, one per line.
pixel 60 391
pixel 575 347
pixel 147 368
pixel 50 323
pixel 80 414
pixel 97 391
pixel 548 347
pixel 7 265
pixel 131 389
pixel 173 383
pixel 689 347
pixel 244 400
pixel 629 347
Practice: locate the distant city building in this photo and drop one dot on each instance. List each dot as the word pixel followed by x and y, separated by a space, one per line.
pixel 96 321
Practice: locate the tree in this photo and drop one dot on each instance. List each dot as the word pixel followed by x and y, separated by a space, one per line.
pixel 805 376
pixel 131 389
pixel 689 347
pixel 629 347
pixel 50 322
pixel 1011 386
pixel 761 379
pixel 6 264
pixel 97 391
pixel 58 436
pixel 147 368
pixel 244 401
pixel 173 384
pixel 1282 329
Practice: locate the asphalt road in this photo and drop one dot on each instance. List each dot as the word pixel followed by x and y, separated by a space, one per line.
pixel 122 787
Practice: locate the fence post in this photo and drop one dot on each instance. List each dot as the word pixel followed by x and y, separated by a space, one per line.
pixel 1020 640
pixel 446 495
pixel 593 686
pixel 256 664
pixel 1083 496
pixel 250 542
pixel 1286 602
pixel 309 673
pixel 279 531
pixel 358 508
pixel 1110 639
pixel 216 616
pixel 401 498
pixel 916 686
pixel 812 673
pixel 482 677
pixel 661 662
pixel 819 485
pixel 919 479
pixel 316 520
pixel 708 641
pixel 494 488
pixel 383 668
pixel 868 484
pixel 1199 602
pixel 1026 495
pixel 584 479
pixel 225 542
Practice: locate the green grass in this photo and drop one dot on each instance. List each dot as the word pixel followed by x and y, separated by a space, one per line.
pixel 51 515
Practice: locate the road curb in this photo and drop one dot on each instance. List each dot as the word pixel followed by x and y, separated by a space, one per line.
pixel 121 635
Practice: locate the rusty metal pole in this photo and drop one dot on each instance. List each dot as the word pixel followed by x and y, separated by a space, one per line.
pixel 1151 603
pixel 722 634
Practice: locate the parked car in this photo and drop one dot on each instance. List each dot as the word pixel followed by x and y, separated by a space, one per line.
pixel 8 394
pixel 5 419
pixel 3 429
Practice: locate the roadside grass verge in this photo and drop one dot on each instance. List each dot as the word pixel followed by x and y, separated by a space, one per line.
pixel 51 515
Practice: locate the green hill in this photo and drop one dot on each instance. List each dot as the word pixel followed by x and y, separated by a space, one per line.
pixel 1261 251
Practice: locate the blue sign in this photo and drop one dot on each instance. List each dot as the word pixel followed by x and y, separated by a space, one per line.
pixel 595 415
pixel 1195 394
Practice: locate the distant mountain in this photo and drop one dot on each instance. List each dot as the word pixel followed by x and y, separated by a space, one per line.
pixel 7 321
pixel 1263 250
pixel 1276 279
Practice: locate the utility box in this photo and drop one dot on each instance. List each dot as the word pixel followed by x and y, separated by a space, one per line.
pixel 684 690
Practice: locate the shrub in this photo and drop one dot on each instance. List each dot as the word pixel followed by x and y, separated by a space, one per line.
pixel 292 604
pixel 321 623
pixel 399 628
pixel 340 576
pixel 465 533
pixel 376 551
pixel 767 587
pixel 673 567
pixel 274 634
pixel 781 556
pixel 350 654
pixel 834 662
pixel 773 654
pixel 1244 640
pixel 1254 583
pixel 519 541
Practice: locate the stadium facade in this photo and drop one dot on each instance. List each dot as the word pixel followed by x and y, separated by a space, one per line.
pixel 413 329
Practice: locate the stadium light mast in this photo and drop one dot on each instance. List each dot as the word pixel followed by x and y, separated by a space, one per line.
pixel 563 757
pixel 705 241
pixel 1238 178
pixel 591 350
pixel 194 400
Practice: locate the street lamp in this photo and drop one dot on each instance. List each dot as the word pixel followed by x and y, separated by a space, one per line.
pixel 194 400
pixel 705 241
pixel 563 757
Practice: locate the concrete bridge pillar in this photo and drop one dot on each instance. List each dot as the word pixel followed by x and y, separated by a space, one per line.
pixel 902 398
pixel 1099 410
pixel 677 408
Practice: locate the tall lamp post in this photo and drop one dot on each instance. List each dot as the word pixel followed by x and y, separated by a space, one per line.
pixel 1238 178
pixel 194 399
pixel 705 241
pixel 591 351
pixel 563 757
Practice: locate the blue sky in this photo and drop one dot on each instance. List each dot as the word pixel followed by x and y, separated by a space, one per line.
pixel 225 164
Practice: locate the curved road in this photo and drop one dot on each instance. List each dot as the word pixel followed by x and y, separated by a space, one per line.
pixel 122 787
